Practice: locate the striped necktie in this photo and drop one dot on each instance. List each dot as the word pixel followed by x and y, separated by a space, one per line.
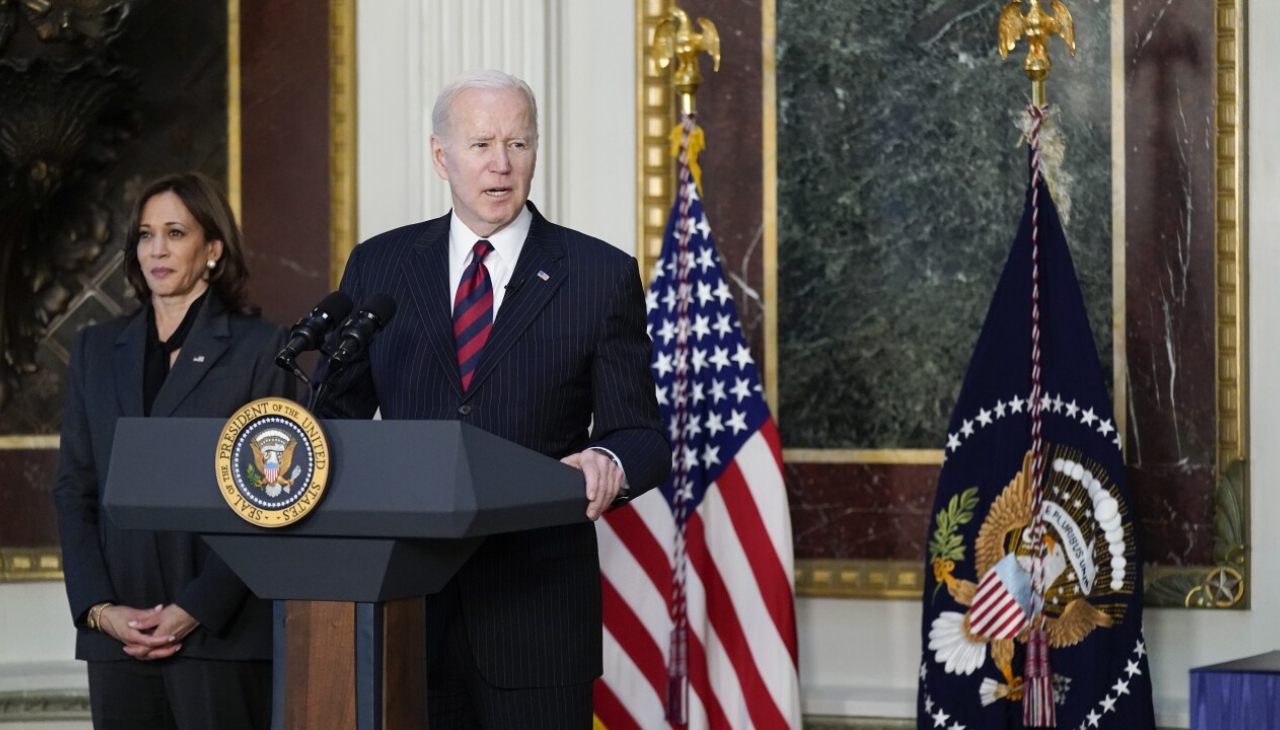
pixel 473 312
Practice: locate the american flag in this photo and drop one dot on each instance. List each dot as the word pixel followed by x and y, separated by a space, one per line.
pixel 699 613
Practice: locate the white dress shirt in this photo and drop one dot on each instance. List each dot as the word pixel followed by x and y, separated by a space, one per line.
pixel 501 261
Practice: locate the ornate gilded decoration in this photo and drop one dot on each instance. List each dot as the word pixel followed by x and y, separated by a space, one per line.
pixel 344 209
pixel 676 36
pixel 30 564
pixel 1038 27
pixel 655 111
pixel 64 120
pixel 91 22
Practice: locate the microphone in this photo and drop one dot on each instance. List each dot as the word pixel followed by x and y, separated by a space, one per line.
pixel 360 328
pixel 309 332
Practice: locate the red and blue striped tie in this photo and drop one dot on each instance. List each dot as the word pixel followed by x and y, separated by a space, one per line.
pixel 473 312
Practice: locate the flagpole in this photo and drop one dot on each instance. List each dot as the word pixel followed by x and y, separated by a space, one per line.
pixel 675 35
pixel 1037 26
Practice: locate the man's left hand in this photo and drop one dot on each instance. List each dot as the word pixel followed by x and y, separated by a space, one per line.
pixel 604 479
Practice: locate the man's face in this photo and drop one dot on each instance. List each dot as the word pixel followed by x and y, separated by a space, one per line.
pixel 487 156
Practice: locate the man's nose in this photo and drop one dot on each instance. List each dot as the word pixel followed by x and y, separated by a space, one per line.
pixel 502 160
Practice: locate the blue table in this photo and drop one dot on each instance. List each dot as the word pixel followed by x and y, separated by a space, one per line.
pixel 1240 695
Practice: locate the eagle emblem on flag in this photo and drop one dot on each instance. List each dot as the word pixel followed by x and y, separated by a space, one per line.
pixel 1000 605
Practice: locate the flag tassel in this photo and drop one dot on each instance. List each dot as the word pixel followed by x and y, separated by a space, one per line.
pixel 678 679
pixel 1037 702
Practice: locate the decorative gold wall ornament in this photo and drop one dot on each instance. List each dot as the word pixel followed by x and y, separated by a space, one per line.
pixel 675 35
pixel 1038 27
pixel 655 111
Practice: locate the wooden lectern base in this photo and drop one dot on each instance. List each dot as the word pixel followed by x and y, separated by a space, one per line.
pixel 355 666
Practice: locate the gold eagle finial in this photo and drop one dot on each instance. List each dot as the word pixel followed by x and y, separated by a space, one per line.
pixel 675 36
pixel 1038 26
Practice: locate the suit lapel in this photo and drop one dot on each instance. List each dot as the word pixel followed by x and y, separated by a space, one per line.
pixel 536 278
pixel 130 348
pixel 209 339
pixel 428 283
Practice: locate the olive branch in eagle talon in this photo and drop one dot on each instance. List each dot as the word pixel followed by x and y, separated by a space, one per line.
pixel 946 547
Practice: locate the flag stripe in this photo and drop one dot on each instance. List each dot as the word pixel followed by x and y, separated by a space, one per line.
pixel 609 710
pixel 629 526
pixel 766 647
pixel 708 708
pixel 767 571
pixel 632 637
pixel 724 621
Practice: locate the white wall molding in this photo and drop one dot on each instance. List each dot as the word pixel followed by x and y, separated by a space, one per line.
pixel 576 55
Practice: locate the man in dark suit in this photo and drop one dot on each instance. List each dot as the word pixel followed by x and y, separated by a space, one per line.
pixel 535 333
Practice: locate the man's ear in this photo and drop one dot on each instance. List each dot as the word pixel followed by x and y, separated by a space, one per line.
pixel 437 157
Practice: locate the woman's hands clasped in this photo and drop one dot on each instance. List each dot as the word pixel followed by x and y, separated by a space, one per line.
pixel 148 633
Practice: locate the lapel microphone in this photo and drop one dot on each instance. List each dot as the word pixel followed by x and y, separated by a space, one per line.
pixel 511 288
pixel 359 329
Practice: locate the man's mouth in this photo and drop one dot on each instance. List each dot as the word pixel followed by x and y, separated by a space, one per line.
pixel 497 192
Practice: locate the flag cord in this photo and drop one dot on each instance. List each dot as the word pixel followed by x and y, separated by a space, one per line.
pixel 1038 705
pixel 678 659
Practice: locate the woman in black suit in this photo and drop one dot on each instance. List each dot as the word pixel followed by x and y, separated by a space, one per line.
pixel 173 639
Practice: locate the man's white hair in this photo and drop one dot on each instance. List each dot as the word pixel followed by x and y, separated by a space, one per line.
pixel 479 80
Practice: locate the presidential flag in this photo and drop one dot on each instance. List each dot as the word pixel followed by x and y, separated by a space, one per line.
pixel 699 622
pixel 1032 531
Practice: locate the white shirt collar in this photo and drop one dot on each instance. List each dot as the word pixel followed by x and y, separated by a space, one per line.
pixel 501 262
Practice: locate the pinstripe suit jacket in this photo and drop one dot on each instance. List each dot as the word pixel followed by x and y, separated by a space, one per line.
pixel 567 346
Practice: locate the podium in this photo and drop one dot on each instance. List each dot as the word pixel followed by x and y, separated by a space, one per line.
pixel 407 503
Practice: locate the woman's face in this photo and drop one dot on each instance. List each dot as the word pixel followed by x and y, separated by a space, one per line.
pixel 172 249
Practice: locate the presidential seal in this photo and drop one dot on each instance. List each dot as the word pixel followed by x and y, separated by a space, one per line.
pixel 272 462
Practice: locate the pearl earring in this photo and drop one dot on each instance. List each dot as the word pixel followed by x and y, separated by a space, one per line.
pixel 211 264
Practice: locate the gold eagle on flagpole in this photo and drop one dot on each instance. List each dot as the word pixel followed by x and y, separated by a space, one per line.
pixel 1038 26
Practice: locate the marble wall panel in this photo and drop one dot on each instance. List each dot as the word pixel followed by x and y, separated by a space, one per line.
pixel 1169 275
pixel 860 511
pixel 26 503
pixel 729 107
pixel 900 187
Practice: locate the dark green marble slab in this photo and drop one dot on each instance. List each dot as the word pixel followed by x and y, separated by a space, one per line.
pixel 900 186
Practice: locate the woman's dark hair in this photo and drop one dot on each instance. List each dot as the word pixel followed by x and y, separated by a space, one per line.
pixel 209 207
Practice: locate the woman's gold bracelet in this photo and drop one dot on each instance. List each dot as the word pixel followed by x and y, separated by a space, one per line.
pixel 94 620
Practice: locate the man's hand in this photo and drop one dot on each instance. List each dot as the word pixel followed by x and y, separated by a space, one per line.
pixel 148 633
pixel 603 476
